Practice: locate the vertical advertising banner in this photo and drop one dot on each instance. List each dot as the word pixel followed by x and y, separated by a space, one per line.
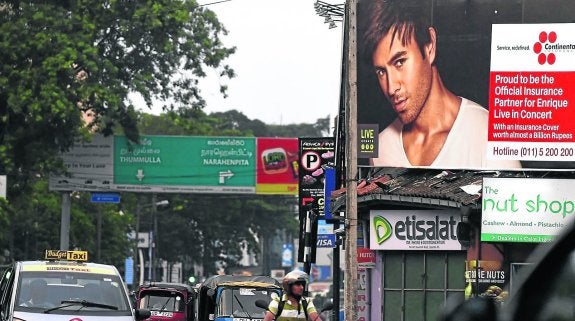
pixel 277 166
pixel 3 186
pixel 362 296
pixel 481 86
pixel 532 97
pixel 315 154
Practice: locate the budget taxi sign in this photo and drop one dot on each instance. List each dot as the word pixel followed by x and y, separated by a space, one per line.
pixel 414 230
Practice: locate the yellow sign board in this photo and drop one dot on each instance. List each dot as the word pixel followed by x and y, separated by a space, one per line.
pixel 66 255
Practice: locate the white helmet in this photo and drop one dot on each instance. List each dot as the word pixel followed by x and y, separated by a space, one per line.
pixel 295 276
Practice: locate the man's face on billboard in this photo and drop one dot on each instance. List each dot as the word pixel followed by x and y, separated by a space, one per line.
pixel 404 74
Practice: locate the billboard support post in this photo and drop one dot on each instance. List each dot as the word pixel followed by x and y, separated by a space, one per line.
pixel 350 279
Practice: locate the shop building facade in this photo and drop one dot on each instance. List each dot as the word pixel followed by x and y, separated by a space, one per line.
pixel 434 236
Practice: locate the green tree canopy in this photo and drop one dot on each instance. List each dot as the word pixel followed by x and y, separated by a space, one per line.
pixel 62 58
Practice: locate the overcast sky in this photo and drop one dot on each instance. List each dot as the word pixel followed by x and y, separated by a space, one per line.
pixel 287 61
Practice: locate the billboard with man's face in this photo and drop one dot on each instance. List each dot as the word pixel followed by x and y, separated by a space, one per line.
pixel 467 84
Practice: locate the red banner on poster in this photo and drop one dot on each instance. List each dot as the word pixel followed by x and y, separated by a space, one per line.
pixel 532 107
pixel 277 166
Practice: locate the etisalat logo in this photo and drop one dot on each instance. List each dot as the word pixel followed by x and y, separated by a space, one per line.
pixel 546 44
pixel 382 228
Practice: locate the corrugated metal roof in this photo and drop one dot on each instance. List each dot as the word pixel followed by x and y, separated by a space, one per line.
pixel 427 187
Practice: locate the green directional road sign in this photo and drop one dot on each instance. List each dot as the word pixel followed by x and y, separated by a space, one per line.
pixel 185 161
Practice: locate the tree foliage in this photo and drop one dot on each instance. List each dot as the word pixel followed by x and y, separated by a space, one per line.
pixel 236 120
pixel 206 229
pixel 34 226
pixel 62 58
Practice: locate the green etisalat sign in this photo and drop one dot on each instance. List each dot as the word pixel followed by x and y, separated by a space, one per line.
pixel 185 161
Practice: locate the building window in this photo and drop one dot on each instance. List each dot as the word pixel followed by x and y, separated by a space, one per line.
pixel 416 285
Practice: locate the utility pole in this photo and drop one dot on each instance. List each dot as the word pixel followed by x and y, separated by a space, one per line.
pixel 351 164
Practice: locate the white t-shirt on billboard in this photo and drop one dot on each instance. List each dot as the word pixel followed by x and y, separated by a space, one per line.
pixel 464 148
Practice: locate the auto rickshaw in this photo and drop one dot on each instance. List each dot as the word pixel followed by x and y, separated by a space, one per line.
pixel 227 297
pixel 167 301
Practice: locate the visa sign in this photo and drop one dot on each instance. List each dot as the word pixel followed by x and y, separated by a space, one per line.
pixel 326 240
pixel 414 230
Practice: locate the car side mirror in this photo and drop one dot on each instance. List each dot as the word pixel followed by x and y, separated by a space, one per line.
pixel 328 306
pixel 473 309
pixel 192 296
pixel 142 314
pixel 262 304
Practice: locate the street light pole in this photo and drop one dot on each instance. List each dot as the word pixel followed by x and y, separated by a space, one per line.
pixel 155 239
pixel 136 241
pixel 341 13
pixel 99 234
pixel 329 12
pixel 152 252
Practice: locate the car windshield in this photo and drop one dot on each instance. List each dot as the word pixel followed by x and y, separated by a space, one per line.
pixel 240 302
pixel 71 292
pixel 162 301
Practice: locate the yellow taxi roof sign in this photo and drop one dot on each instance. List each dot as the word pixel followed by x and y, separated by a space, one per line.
pixel 66 255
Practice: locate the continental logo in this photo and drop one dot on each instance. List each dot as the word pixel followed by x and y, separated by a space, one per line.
pixel 382 229
pixel 547 45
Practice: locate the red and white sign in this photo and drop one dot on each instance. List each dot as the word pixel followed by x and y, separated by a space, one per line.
pixel 365 257
pixel 531 97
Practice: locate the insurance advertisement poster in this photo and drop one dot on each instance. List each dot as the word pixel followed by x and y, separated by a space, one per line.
pixel 531 210
pixel 482 86
pixel 414 230
pixel 277 166
pixel 532 97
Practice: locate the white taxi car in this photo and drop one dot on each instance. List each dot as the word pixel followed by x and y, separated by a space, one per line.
pixel 65 287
